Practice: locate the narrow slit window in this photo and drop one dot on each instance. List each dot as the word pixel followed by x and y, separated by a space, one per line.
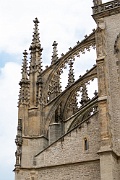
pixel 86 145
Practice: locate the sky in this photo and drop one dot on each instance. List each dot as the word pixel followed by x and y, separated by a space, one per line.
pixel 64 21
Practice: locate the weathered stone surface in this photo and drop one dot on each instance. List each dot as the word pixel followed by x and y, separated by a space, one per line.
pixel 56 138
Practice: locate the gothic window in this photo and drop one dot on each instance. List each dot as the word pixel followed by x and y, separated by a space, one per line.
pixel 86 144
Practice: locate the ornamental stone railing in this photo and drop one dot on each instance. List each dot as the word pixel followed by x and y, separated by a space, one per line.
pixel 106 6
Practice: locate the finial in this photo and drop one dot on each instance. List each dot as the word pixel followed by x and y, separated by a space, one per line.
pixel 84 96
pixel 36 21
pixel 96 93
pixel 97 2
pixel 55 55
pixel 36 40
pixel 36 50
pixel 71 78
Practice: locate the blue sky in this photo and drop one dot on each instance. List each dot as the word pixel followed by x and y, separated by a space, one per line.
pixel 62 20
pixel 9 57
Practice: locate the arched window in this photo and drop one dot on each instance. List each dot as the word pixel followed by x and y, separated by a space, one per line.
pixel 86 144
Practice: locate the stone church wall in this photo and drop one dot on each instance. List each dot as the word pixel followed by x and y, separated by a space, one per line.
pixel 67 157
pixel 113 77
pixel 80 171
pixel 86 171
pixel 30 148
pixel 70 148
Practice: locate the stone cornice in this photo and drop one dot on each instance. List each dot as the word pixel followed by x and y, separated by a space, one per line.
pixel 50 166
pixel 106 9
pixel 108 150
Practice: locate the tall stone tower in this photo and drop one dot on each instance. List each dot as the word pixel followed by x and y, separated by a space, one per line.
pixel 57 136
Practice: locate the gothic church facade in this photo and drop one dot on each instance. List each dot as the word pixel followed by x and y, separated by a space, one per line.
pixel 56 138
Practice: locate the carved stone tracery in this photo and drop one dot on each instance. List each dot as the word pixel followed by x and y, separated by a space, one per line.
pixel 65 59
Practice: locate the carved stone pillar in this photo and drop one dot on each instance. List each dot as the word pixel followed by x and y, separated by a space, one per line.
pixel 102 84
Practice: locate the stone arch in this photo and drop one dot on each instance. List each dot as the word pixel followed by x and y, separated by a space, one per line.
pixel 84 114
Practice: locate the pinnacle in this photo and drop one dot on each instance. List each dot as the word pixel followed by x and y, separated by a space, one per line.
pixel 24 83
pixel 25 53
pixel 36 50
pixel 24 66
pixel 55 55
pixel 36 40
pixel 55 43
pixel 36 21
pixel 84 96
pixel 71 78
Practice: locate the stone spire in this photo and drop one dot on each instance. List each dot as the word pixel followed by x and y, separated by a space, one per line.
pixel 35 66
pixel 71 78
pixel 55 55
pixel 36 50
pixel 24 83
pixel 24 67
pixel 84 96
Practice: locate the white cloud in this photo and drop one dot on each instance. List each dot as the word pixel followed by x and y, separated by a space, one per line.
pixel 9 78
pixel 59 21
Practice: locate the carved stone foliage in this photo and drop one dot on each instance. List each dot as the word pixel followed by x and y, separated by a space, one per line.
pixel 18 142
pixel 54 88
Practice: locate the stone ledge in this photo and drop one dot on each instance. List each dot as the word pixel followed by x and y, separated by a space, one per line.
pixel 102 98
pixel 108 150
pixel 66 164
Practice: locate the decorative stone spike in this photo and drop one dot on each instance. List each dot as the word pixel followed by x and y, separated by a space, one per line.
pixel 96 93
pixel 24 83
pixel 97 2
pixel 55 55
pixel 36 40
pixel 24 66
pixel 36 50
pixel 84 96
pixel 71 78
pixel 86 36
pixel 35 68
